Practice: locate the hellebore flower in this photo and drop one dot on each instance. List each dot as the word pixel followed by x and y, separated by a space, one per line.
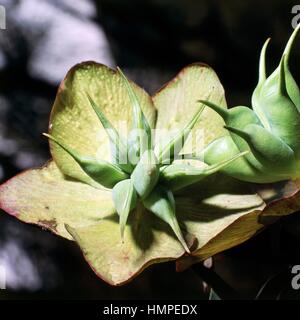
pixel 270 131
pixel 126 215
pixel 150 178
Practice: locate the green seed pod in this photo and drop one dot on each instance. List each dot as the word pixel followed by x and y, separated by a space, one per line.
pixel 103 172
pixel 271 131
pixel 178 176
pixel 125 199
pixel 269 159
pixel 161 202
pixel 276 99
pixel 267 151
pixel 291 85
pixel 280 113
pixel 224 148
pixel 238 117
pixel 145 174
pixel 262 144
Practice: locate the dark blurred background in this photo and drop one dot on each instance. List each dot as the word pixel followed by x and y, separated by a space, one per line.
pixel 151 40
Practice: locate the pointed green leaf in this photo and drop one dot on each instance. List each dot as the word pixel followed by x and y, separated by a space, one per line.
pixel 292 86
pixel 161 203
pixel 255 99
pixel 224 113
pixel 282 83
pixel 119 146
pixel 103 172
pixel 262 74
pixel 291 41
pixel 139 120
pixel 238 117
pixel 125 197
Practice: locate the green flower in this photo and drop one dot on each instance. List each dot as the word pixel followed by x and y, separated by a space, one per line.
pixel 126 215
pixel 150 177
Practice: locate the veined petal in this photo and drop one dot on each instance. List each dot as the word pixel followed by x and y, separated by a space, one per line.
pixel 176 143
pixel 214 212
pixel 176 102
pixel 44 197
pixel 228 212
pixel 75 122
pixel 146 241
pixel 119 154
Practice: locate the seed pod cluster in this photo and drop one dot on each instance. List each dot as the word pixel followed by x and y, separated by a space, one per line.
pixel 151 180
pixel 270 131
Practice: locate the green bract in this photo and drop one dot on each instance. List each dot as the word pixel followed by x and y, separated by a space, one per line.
pixel 150 181
pixel 270 132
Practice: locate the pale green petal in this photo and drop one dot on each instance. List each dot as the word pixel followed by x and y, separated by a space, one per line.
pixel 215 215
pixel 147 240
pixel 178 101
pixel 74 121
pixel 226 212
pixel 44 197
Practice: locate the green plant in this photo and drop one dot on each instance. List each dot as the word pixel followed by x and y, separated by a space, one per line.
pixel 83 192
pixel 270 132
pixel 152 180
